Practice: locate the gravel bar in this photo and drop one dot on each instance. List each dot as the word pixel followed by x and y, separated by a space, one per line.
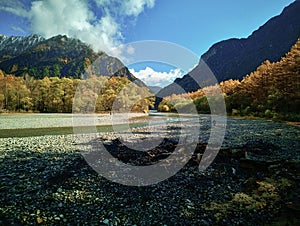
pixel 254 179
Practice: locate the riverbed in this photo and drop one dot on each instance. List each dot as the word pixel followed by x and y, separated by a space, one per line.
pixel 254 178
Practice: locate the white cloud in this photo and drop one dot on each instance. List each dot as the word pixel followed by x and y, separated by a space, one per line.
pixel 73 18
pixel 135 7
pixel 155 78
pixel 19 29
pixel 101 3
pixel 77 18
pixel 15 7
pixel 17 11
pixel 125 7
pixel 130 50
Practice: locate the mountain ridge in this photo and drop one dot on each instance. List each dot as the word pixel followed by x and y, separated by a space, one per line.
pixel 58 56
pixel 21 44
pixel 235 58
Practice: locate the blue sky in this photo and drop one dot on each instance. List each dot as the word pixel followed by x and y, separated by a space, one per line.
pixel 106 24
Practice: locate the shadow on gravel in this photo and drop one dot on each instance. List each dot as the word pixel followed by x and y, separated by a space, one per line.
pixel 244 185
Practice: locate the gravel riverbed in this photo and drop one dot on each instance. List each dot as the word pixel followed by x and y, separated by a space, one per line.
pixel 253 180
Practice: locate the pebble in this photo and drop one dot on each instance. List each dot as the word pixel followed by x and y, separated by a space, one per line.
pixel 48 177
pixel 105 221
pixel 39 220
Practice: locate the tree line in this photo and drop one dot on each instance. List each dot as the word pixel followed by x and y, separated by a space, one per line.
pixel 272 91
pixel 56 95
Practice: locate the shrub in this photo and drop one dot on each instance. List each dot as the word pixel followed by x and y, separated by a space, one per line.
pixel 184 107
pixel 268 113
pixel 202 105
pixel 235 112
pixel 165 108
pixel 247 111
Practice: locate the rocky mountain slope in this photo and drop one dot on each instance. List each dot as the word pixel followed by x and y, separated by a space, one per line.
pixel 235 58
pixel 59 56
pixel 12 46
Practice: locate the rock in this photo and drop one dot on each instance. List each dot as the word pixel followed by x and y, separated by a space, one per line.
pixel 105 221
pixel 39 220
pixel 258 165
pixel 78 194
pixel 233 153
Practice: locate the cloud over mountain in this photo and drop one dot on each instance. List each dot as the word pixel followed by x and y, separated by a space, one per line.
pixel 156 78
pixel 96 22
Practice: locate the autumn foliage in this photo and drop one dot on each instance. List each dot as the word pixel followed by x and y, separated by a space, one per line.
pixel 53 94
pixel 272 91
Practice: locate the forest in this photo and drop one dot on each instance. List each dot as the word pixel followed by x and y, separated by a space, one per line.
pixel 272 91
pixel 56 95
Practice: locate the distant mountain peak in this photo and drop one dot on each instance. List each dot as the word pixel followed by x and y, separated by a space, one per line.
pixel 57 56
pixel 11 46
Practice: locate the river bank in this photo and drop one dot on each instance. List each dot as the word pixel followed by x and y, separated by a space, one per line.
pixel 253 180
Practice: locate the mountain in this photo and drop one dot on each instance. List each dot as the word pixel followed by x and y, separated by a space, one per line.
pixel 12 46
pixel 235 58
pixel 154 89
pixel 59 56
